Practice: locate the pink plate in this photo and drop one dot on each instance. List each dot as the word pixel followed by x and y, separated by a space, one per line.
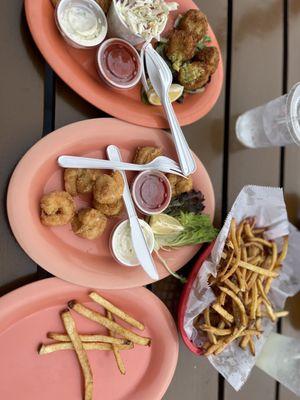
pixel 58 250
pixel 77 68
pixel 29 313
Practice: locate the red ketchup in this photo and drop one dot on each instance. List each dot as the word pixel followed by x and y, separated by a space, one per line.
pixel 151 192
pixel 119 63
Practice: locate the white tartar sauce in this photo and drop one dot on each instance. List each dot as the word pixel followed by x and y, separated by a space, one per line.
pixel 81 23
pixel 122 246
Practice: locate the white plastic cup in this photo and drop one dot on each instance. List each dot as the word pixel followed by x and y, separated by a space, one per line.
pixel 274 124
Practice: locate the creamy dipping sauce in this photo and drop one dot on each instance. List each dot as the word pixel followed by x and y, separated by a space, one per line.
pixel 82 22
pixel 121 243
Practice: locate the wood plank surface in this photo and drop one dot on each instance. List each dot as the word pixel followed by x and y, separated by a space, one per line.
pixel 291 324
pixel 21 116
pixel 256 77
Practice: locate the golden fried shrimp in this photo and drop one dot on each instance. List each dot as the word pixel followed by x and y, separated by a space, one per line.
pixel 110 210
pixel 80 181
pixel 89 223
pixel 180 185
pixel 193 75
pixel 108 189
pixel 194 23
pixel 209 56
pixel 181 47
pixel 146 154
pixel 57 208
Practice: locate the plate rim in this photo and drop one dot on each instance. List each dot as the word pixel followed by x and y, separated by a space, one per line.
pixel 9 302
pixel 149 120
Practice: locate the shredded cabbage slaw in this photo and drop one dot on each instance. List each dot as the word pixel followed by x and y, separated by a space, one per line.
pixel 146 18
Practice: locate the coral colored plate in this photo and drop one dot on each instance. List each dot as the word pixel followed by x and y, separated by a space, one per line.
pixel 57 249
pixel 29 313
pixel 77 68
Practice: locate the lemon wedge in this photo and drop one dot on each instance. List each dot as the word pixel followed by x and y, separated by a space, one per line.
pixel 174 93
pixel 164 224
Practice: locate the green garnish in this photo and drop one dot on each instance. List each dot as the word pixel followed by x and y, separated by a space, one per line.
pixel 202 43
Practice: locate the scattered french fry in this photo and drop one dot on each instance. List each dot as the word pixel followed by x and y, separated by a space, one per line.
pixel 61 337
pixel 58 346
pixel 116 351
pixel 81 353
pixel 110 325
pixel 116 311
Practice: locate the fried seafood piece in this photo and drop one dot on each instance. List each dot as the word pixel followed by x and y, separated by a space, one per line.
pixel 194 23
pixel 180 185
pixel 57 208
pixel 209 56
pixel 193 75
pixel 110 210
pixel 104 4
pixel 181 47
pixel 108 189
pixel 89 223
pixel 80 181
pixel 146 154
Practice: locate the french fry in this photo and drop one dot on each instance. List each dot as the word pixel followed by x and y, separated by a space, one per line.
pixel 281 314
pixel 225 314
pixel 260 240
pixel 248 230
pixel 215 331
pixel 229 339
pixel 253 306
pixel 238 302
pixel 233 268
pixel 262 291
pixel 269 310
pixel 116 351
pixel 251 346
pixel 206 314
pixel 61 337
pixel 213 348
pixel 244 342
pixel 116 311
pixel 221 299
pixel 232 286
pixel 107 323
pixel 259 270
pixel 284 251
pixel 53 347
pixel 81 353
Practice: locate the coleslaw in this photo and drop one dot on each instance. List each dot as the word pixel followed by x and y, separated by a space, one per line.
pixel 146 18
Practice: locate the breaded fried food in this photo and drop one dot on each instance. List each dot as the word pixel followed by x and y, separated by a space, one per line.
pixel 80 181
pixel 194 23
pixel 146 154
pixel 181 47
pixel 108 189
pixel 193 75
pixel 57 208
pixel 209 56
pixel 89 223
pixel 110 210
pixel 179 184
pixel 104 4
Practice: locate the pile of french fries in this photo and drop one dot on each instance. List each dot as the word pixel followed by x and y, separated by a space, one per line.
pixel 72 340
pixel 249 263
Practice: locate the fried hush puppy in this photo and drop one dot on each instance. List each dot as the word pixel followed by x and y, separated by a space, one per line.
pixel 146 154
pixel 179 184
pixel 89 223
pixel 57 208
pixel 108 189
pixel 109 210
pixel 193 75
pixel 181 48
pixel 194 23
pixel 209 57
pixel 80 181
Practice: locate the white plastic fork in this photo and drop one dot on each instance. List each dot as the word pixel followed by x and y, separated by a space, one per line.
pixel 161 163
pixel 161 80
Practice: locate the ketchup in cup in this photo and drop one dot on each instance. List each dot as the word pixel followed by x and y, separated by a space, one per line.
pixel 151 192
pixel 119 64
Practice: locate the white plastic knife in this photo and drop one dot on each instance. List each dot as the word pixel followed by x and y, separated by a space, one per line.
pixel 138 239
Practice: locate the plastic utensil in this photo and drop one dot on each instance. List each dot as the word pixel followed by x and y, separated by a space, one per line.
pixel 138 239
pixel 161 163
pixel 161 80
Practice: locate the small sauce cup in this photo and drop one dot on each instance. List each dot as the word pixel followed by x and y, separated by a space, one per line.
pixel 119 64
pixel 151 192
pixel 121 244
pixel 82 23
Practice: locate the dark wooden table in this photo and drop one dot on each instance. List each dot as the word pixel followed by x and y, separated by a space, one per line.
pixel 260 45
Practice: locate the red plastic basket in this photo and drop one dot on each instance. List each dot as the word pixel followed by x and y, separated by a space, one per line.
pixel 184 298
